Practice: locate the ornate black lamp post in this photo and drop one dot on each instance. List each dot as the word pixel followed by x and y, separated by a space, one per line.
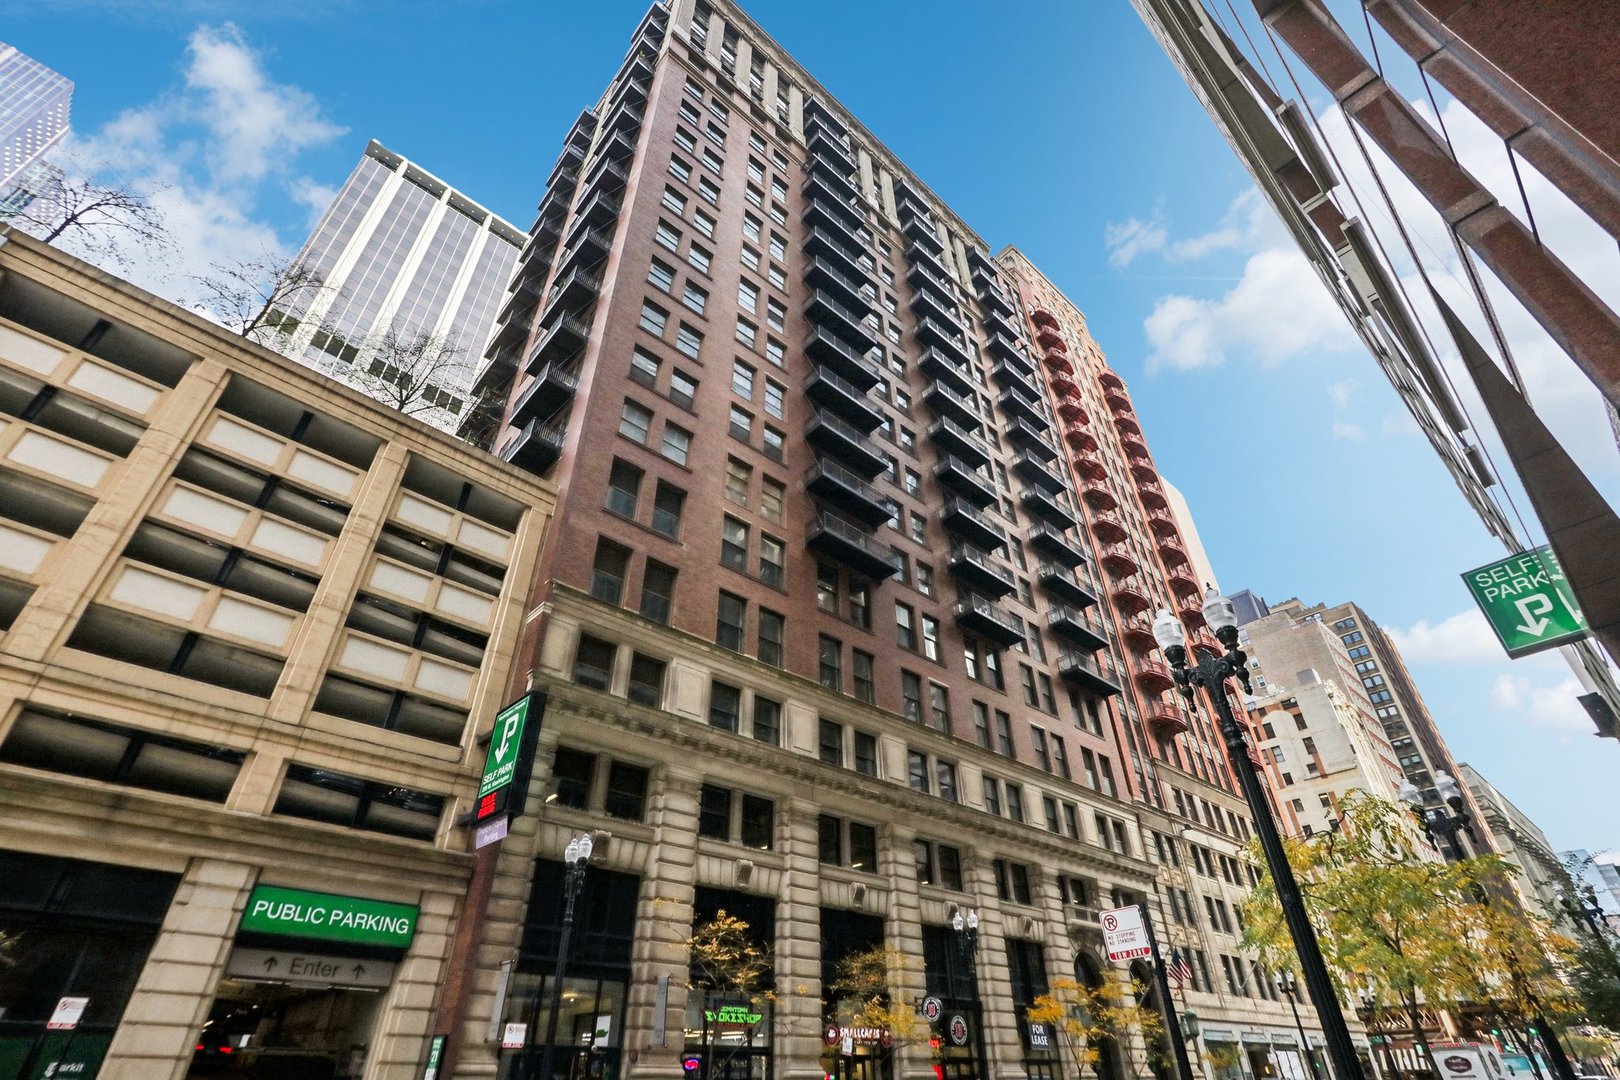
pixel 1211 673
pixel 575 856
pixel 1453 826
pixel 967 940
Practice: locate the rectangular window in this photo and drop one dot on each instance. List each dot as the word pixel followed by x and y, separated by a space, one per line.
pixel 917 771
pixel 593 662
pixel 734 543
pixel 830 840
pixel 698 258
pixel 626 791
pixel 689 343
pixel 653 319
pixel 635 422
pixel 747 295
pixel 831 663
pixel 861 664
pixel 738 475
pixel 911 696
pixel 865 754
pixel 1004 742
pixel 905 619
pixel 930 635
pixel 668 235
pixel 608 570
pixel 758 823
pixel 1015 802
pixel 725 706
pixel 646 680
pixel 747 332
pixel 714 812
pixel 571 773
pixel 992 795
pixel 657 591
pixel 661 275
pixel 624 487
pixel 939 703
pixel 767 720
pixel 1043 756
pixel 682 388
pixel 741 423
pixel 677 443
pixel 831 742
pixel 704 224
pixel 945 776
pixel 772 632
pixel 695 298
pixel 775 399
pixel 644 368
pixel 771 496
pixel 981 723
pixel 773 443
pixel 776 316
pixel 680 169
pixel 668 503
pixel 862 847
pixel 728 631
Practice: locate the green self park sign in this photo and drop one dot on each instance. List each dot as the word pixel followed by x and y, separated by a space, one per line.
pixel 353 920
pixel 510 758
pixel 1527 601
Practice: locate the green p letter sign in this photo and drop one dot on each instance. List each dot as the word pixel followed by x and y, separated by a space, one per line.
pixel 1528 602
pixel 511 753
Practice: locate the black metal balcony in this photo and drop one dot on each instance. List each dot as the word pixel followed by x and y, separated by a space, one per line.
pixel 565 337
pixel 1068 623
pixel 822 143
pixel 1057 545
pixel 618 147
pixel 525 294
pixel 981 571
pixel 822 213
pixel 828 171
pixel 626 117
pixel 633 84
pixel 928 260
pixel 581 130
pixel 927 305
pixel 1047 508
pixel 820 243
pixel 952 438
pixel 921 229
pixel 855 292
pixel 1034 440
pixel 908 202
pixel 537 446
pixel 1032 468
pixel 980 260
pixel 965 520
pixel 946 369
pixel 853 449
pixel 1011 377
pixel 1085 672
pixel 824 192
pixel 1064 584
pixel 994 298
pixel 844 359
pixel 844 542
pixel 600 210
pixel 607 175
pixel 937 336
pixel 574 290
pixel 968 483
pixel 569 161
pixel 853 496
pixel 843 397
pixel 1019 407
pixel 947 402
pixel 1006 348
pixel 508 340
pixel 816 112
pixel 999 322
pixel 551 390
pixel 586 246
pixel 923 280
pixel 826 311
pixel 978 615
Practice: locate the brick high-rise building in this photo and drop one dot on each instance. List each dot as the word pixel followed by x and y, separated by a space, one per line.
pixel 848 601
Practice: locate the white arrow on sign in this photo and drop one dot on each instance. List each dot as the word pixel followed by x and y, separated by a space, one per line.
pixel 506 736
pixel 1533 622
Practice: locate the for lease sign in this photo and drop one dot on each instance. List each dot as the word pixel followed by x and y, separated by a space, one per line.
pixel 357 920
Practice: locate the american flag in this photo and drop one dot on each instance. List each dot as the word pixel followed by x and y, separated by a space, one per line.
pixel 1178 968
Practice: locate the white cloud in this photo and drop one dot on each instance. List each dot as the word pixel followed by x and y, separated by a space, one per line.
pixel 1127 240
pixel 1542 706
pixel 1464 638
pixel 1248 224
pixel 1342 391
pixel 1279 309
pixel 1347 431
pixel 209 152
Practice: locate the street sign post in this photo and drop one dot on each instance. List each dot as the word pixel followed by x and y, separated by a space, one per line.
pixel 505 782
pixel 1124 933
pixel 1527 601
pixel 66 1015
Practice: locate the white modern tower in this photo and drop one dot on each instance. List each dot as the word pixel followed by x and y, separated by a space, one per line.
pixel 401 250
pixel 34 105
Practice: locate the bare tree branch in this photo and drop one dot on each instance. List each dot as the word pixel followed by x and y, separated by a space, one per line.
pixel 408 370
pixel 101 219
pixel 260 299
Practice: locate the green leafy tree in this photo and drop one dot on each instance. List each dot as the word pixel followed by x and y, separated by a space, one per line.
pixel 730 968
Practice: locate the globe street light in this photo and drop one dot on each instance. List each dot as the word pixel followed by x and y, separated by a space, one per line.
pixel 575 857
pixel 1284 981
pixel 1211 673
pixel 967 940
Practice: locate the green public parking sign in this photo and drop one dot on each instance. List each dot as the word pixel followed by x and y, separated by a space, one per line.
pixel 1527 601
pixel 329 917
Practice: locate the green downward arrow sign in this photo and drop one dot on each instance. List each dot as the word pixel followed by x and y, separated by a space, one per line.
pixel 501 765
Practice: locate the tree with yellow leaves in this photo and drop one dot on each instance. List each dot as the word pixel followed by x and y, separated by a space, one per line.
pixel 861 995
pixel 733 972
pixel 1087 1018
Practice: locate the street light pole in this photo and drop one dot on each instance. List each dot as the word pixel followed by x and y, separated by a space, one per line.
pixel 1453 826
pixel 1211 673
pixel 1285 982
pixel 575 856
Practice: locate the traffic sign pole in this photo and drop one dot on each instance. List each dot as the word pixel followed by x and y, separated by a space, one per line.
pixel 1172 1022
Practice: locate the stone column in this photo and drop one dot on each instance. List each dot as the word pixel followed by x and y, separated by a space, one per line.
pixel 176 987
pixel 798 945
pixel 399 1039
pixel 663 922
pixel 902 931
pixel 1004 1056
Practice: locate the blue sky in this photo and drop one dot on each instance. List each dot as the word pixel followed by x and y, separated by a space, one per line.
pixel 1056 126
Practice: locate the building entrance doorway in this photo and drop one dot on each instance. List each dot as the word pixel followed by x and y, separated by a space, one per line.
pixel 275 1031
